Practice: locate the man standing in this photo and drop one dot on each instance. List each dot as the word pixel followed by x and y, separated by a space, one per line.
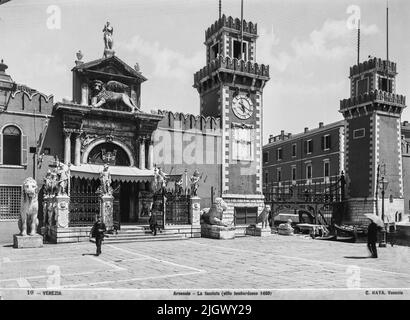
pixel 153 223
pixel 97 232
pixel 372 238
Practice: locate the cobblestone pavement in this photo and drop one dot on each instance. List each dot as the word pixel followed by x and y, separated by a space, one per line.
pixel 275 262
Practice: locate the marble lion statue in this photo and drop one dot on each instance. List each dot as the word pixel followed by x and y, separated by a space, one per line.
pixel 214 214
pixel 29 208
pixel 264 216
pixel 112 91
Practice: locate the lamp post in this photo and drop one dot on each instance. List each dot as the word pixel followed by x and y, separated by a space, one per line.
pixel 384 184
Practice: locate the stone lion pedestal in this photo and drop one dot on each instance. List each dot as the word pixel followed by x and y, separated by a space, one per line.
pixel 258 231
pixel 21 242
pixel 217 232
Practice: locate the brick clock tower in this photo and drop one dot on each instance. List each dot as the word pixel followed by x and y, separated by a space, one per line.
pixel 373 141
pixel 230 87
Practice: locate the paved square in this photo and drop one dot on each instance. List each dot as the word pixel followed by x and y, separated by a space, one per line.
pixel 276 262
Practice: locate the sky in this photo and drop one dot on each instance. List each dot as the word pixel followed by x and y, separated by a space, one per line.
pixel 308 44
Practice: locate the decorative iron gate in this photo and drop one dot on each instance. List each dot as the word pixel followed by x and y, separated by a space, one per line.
pixel 177 209
pixel 158 208
pixel 84 202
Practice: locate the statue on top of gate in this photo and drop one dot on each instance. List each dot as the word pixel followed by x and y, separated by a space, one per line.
pixel 160 180
pixel 195 178
pixel 63 179
pixel 105 188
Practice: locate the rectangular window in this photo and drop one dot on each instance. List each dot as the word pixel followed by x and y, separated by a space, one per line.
pixel 308 146
pixel 359 133
pixel 245 215
pixel 10 202
pixel 279 174
pixel 326 169
pixel 294 150
pixel 362 86
pixel 326 142
pixel 265 157
pixel 266 177
pixel 237 50
pixel 293 173
pixel 214 52
pixel 279 154
pixel 308 171
pixel 385 84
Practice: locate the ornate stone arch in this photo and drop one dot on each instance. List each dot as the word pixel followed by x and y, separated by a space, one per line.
pixel 99 141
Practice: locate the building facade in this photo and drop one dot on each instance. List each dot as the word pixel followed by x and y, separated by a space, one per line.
pixel 105 123
pixel 371 148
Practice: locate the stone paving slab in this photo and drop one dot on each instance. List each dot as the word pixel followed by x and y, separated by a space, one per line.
pixel 276 262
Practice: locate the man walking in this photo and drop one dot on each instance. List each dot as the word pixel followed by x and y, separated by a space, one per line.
pixel 153 223
pixel 372 238
pixel 97 232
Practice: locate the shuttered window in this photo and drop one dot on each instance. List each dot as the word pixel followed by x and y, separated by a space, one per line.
pixel 11 146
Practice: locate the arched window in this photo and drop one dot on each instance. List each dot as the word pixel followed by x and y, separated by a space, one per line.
pixel 11 146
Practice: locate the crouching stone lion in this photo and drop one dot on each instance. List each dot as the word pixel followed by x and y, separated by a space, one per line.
pixel 29 208
pixel 214 214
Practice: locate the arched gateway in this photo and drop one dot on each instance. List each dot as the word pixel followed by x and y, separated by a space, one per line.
pixel 99 129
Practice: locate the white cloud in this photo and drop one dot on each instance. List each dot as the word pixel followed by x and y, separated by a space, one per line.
pixel 166 63
pixel 333 41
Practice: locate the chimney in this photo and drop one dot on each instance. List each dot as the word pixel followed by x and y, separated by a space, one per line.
pixel 320 124
pixel 306 129
pixel 282 134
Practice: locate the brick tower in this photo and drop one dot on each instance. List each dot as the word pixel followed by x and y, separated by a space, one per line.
pixel 373 140
pixel 230 87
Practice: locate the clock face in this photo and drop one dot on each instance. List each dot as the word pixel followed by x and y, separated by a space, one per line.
pixel 242 107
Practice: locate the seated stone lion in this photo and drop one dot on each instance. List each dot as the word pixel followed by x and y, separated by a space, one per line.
pixel 214 215
pixel 264 216
pixel 28 221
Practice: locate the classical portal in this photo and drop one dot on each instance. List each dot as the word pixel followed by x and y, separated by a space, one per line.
pixel 104 125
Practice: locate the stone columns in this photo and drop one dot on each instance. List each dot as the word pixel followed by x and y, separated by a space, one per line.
pixel 107 211
pixel 84 94
pixel 77 150
pixel 142 153
pixel 151 155
pixel 67 147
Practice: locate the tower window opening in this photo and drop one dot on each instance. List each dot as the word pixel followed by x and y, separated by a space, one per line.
pixel 237 50
pixel 386 84
pixel 214 51
pixel 362 86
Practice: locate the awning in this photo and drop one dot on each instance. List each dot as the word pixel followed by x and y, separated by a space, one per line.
pixel 119 173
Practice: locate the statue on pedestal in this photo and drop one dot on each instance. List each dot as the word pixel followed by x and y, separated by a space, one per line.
pixel 28 221
pixel 195 178
pixel 160 180
pixel 63 177
pixel 178 186
pixel 108 40
pixel 105 188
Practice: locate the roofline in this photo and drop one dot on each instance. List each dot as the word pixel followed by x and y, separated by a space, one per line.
pixel 296 136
